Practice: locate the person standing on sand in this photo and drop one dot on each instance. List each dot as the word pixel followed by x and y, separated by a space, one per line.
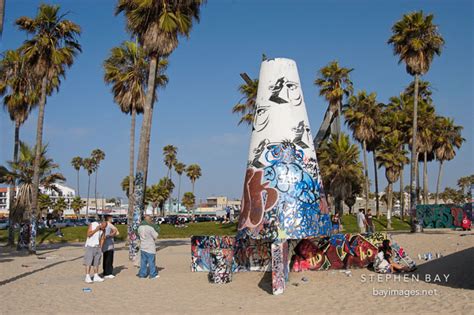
pixel 361 222
pixel 108 248
pixel 93 251
pixel 148 236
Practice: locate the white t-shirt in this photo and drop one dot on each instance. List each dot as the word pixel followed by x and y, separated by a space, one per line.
pixel 360 219
pixel 93 241
pixel 381 264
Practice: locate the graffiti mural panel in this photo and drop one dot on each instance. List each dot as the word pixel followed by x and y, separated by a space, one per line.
pixel 339 251
pixel 443 216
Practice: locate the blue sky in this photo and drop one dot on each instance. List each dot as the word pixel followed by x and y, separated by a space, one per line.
pixel 194 110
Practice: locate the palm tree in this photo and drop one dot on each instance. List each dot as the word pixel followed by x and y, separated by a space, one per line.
pixel 90 166
pixel 76 163
pixel 170 152
pixel 126 70
pixel 22 172
pixel 465 182
pixel 448 138
pixel 189 201
pixel 340 168
pixel 392 158
pixel 157 194
pixel 334 83
pixel 362 114
pixel 425 140
pixel 98 156
pixel 179 169
pixel 156 25
pixel 193 172
pixel 397 115
pixel 50 49
pixel 246 106
pixel 415 40
pixel 59 206
pixel 44 203
pixel 77 204
pixel 17 87
pixel 125 184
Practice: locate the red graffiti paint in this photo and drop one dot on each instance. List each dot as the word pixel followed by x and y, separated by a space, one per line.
pixel 257 199
pixel 457 214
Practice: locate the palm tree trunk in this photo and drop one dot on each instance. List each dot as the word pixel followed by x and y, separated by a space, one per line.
pixel 131 164
pixel 366 173
pixel 95 190
pixel 414 158
pixel 418 189
pixel 36 167
pixel 87 205
pixel 389 206
pixel 11 229
pixel 438 182
pixel 402 195
pixel 143 154
pixel 179 191
pixel 170 196
pixel 2 15
pixel 78 191
pixel 425 177
pixel 377 207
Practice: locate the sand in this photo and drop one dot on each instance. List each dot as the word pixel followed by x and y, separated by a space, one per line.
pixel 52 282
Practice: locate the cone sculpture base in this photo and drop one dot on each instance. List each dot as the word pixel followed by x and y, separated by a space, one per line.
pixel 338 251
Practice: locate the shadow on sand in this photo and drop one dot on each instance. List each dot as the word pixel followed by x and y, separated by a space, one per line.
pixel 266 283
pixel 459 267
pixel 26 274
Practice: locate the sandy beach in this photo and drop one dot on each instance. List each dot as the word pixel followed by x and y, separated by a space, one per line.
pixel 53 282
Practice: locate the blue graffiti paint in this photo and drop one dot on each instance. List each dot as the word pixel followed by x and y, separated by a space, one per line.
pixel 136 218
pixel 33 229
pixel 297 210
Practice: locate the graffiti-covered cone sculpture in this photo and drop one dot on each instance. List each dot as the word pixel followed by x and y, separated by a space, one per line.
pixel 283 196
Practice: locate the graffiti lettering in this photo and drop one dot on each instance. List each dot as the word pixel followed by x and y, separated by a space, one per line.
pixel 257 199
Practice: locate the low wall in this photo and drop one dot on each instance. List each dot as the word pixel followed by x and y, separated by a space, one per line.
pixel 334 252
pixel 443 215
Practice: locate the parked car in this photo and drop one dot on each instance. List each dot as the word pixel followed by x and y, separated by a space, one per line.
pixel 58 224
pixel 159 220
pixel 70 222
pixel 119 220
pixel 4 224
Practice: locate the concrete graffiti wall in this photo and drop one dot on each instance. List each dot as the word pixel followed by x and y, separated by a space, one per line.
pixel 283 196
pixel 202 246
pixel 338 251
pixel 443 216
pixel 335 252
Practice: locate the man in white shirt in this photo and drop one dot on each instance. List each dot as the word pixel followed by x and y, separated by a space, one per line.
pixel 148 236
pixel 361 222
pixel 93 252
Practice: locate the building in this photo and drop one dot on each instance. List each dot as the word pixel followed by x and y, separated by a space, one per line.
pixel 4 201
pixel 62 191
pixel 218 205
